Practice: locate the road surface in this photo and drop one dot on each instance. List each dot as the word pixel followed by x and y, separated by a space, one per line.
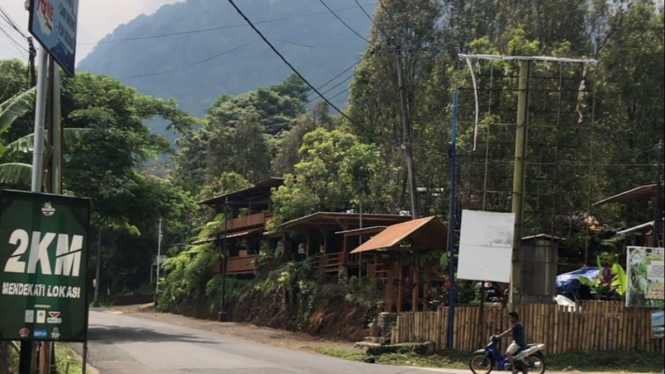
pixel 122 344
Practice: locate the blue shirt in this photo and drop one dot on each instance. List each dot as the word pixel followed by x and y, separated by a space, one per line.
pixel 518 334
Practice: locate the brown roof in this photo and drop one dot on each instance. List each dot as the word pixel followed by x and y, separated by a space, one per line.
pixel 229 236
pixel 341 219
pixel 639 193
pixel 258 190
pixel 420 234
pixel 363 231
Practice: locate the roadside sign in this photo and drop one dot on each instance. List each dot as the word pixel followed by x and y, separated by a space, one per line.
pixel 486 246
pixel 43 263
pixel 657 324
pixel 645 277
pixel 159 260
pixel 54 23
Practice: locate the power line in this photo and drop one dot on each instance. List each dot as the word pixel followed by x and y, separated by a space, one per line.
pixel 339 75
pixel 343 22
pixel 196 31
pixel 12 39
pixel 190 65
pixel 11 22
pixel 364 11
pixel 287 62
pixel 333 87
pixel 381 30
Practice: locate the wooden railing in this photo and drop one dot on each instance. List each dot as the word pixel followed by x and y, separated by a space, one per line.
pixel 333 261
pixel 377 271
pixel 252 220
pixel 591 326
pixel 241 265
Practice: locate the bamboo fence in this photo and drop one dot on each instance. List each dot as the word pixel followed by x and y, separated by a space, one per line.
pixel 591 326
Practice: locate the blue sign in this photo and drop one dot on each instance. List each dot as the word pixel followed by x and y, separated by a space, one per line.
pixel 41 333
pixel 53 24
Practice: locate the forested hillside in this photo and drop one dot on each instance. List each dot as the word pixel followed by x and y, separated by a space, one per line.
pixel 594 128
pixel 197 50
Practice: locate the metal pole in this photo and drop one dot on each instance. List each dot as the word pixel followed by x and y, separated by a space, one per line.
pixel 360 239
pixel 56 171
pixel 407 142
pixel 26 359
pixel 85 357
pixel 521 136
pixel 658 211
pixel 40 116
pixel 98 271
pixel 159 253
pixel 451 226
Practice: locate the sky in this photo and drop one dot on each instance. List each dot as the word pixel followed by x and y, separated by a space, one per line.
pixel 96 19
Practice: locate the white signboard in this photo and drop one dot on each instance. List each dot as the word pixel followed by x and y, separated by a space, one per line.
pixel 159 260
pixel 486 246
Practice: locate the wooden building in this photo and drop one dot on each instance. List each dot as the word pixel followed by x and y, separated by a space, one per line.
pixel 642 234
pixel 249 211
pixel 389 247
pixel 331 236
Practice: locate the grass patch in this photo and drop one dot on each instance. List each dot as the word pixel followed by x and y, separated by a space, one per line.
pixel 447 360
pixel 347 354
pixel 66 360
pixel 633 362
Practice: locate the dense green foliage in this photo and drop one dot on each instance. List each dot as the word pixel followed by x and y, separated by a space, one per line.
pixel 126 203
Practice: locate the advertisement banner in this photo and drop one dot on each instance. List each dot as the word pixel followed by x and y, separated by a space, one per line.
pixel 43 257
pixel 486 246
pixel 53 23
pixel 645 277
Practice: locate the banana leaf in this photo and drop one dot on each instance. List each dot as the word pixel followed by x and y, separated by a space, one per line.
pixel 16 107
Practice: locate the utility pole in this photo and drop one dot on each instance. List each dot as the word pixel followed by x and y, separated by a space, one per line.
pixel 407 141
pixel 223 262
pixel 452 153
pixel 519 174
pixel 159 254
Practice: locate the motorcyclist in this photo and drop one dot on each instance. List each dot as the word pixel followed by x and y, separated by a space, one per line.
pixel 519 338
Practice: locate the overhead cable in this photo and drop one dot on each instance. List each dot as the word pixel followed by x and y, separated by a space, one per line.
pixel 258 32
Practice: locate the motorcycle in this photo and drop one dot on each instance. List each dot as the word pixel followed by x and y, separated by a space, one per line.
pixel 529 359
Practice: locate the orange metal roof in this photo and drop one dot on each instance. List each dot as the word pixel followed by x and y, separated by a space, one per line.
pixel 423 233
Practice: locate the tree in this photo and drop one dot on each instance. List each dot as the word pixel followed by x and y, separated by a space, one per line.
pixel 334 169
pixel 103 165
pixel 242 148
pixel 241 135
pixel 275 107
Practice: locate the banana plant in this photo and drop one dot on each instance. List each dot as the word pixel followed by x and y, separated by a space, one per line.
pixel 16 107
pixel 611 279
pixel 18 173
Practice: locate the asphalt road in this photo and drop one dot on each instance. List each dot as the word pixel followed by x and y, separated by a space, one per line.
pixel 128 345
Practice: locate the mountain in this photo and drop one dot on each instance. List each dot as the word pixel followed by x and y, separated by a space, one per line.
pixel 196 50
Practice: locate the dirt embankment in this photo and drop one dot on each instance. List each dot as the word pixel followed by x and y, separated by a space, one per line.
pixel 326 316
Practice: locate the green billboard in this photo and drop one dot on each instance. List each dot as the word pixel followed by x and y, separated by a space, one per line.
pixel 43 262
